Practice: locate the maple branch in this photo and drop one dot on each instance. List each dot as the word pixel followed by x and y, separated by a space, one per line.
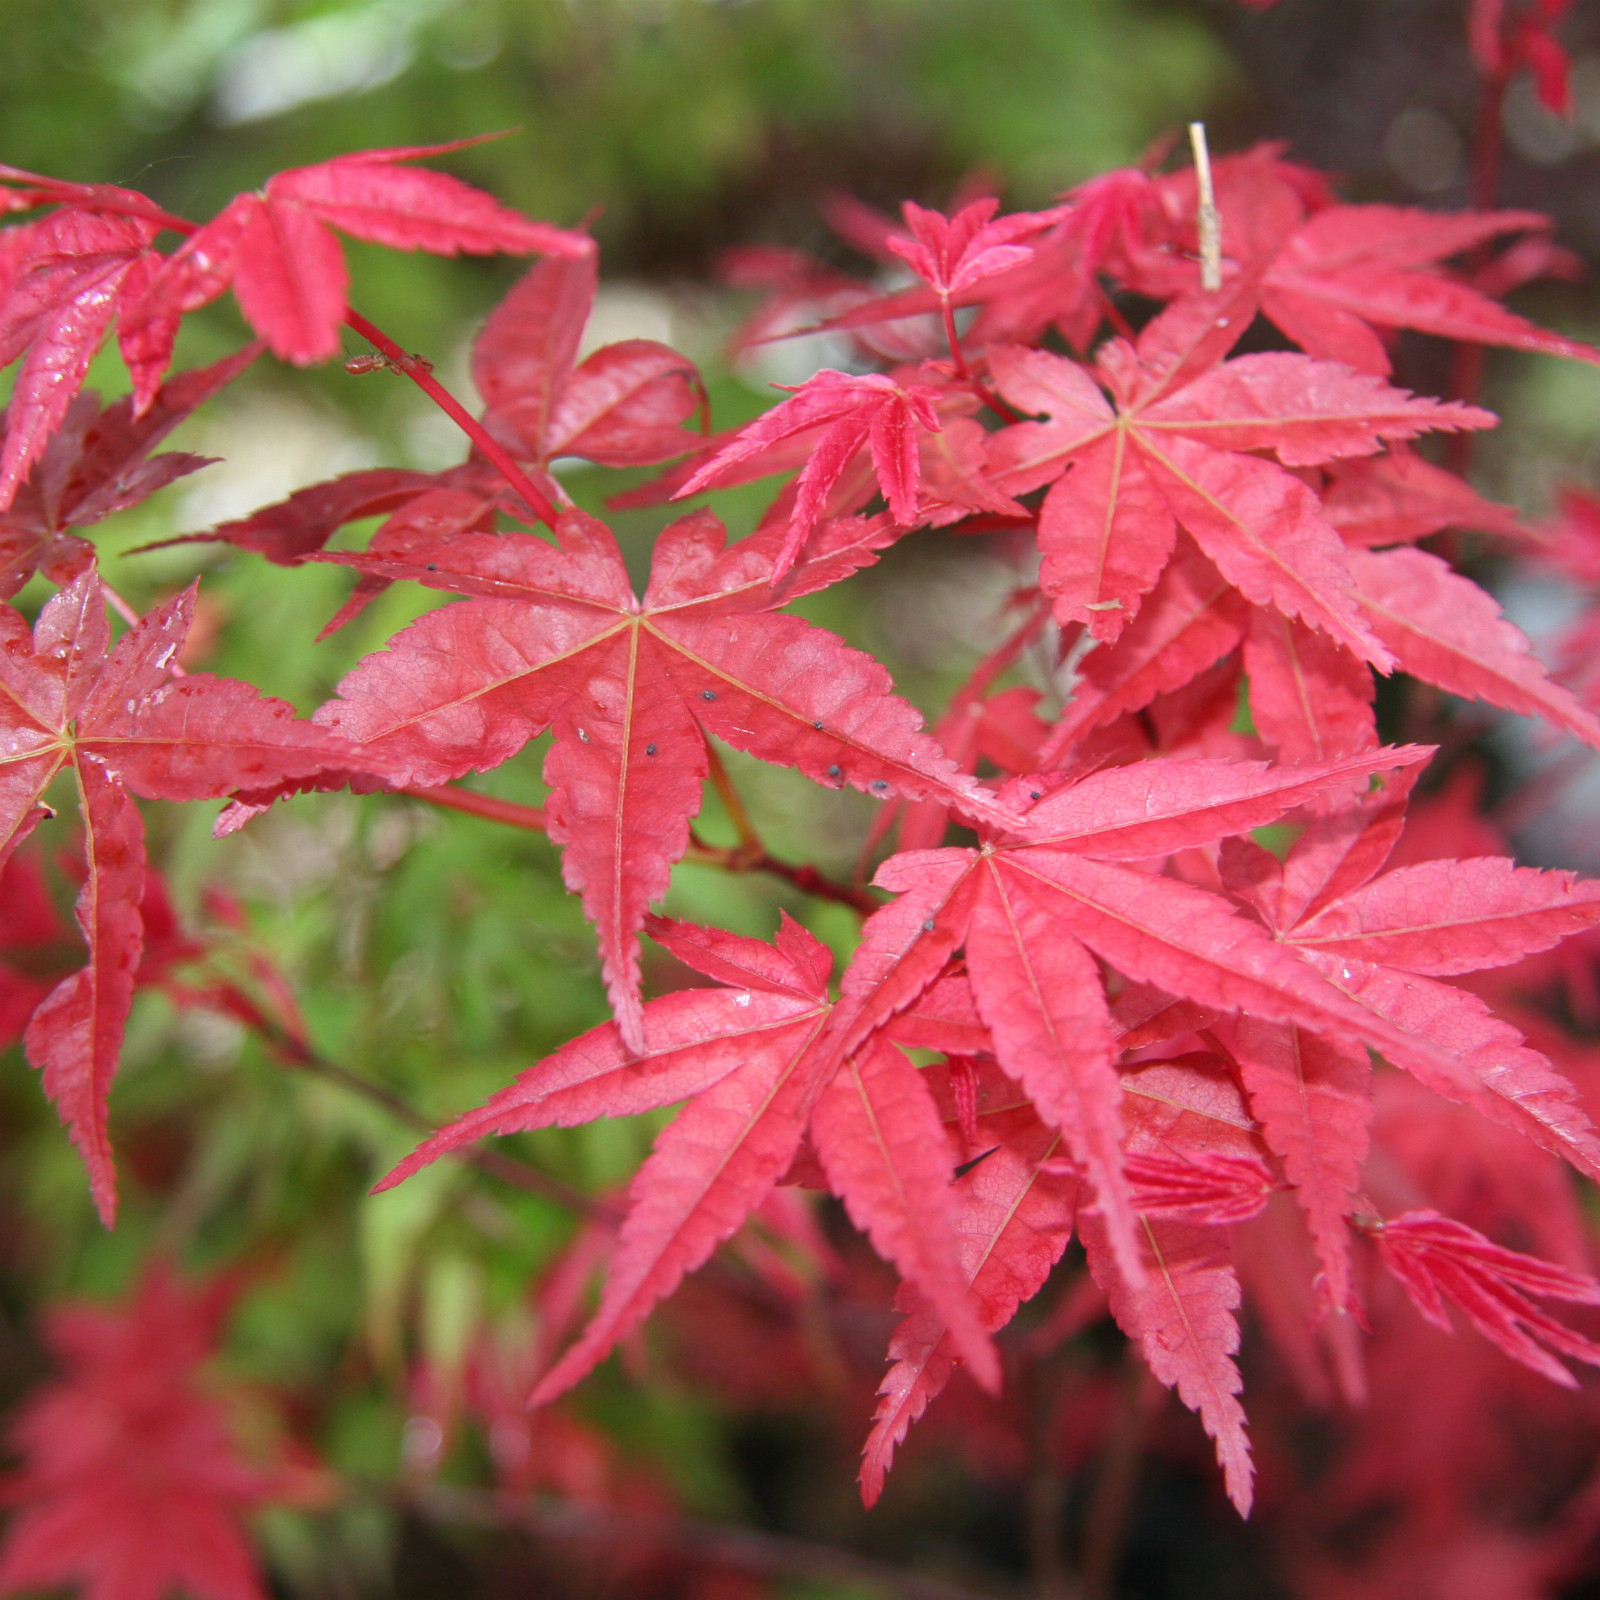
pixel 418 373
pixel 964 372
pixel 749 839
pixel 475 804
pixel 752 1550
pixel 299 1054
pixel 749 855
pixel 737 858
pixel 402 362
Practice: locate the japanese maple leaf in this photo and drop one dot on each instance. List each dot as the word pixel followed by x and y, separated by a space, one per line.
pixel 1181 1310
pixel 132 1484
pixel 1441 627
pixel 1175 450
pixel 1013 1219
pixel 1441 1261
pixel 1310 697
pixel 951 254
pixel 965 259
pixel 1336 279
pixel 1383 940
pixel 64 279
pixel 124 726
pixel 288 270
pixel 632 689
pixel 1191 1141
pixel 844 412
pixel 1398 498
pixel 289 530
pixel 1105 223
pixel 98 463
pixel 1351 269
pixel 1034 907
pixel 623 405
pixel 746 1057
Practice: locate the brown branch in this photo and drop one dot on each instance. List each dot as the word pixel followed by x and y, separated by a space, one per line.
pixel 745 1549
pixel 735 858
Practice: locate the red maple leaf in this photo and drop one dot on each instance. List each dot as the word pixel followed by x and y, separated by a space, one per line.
pixel 1038 903
pixel 632 688
pixel 622 406
pixel 1398 498
pixel 1336 280
pixel 289 530
pixel 1383 940
pixel 1441 1261
pixel 98 462
pixel 124 725
pixel 838 414
pixel 1177 450
pixel 951 254
pixel 748 1059
pixel 288 270
pixel 132 1484
pixel 63 280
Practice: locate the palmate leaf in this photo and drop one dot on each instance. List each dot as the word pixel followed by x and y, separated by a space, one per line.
pixel 125 725
pixel 1174 451
pixel 623 405
pixel 748 1060
pixel 1374 937
pixel 845 412
pixel 63 281
pixel 633 689
pixel 1441 1261
pixel 133 1484
pixel 1336 278
pixel 98 462
pixel 288 270
pixel 1031 907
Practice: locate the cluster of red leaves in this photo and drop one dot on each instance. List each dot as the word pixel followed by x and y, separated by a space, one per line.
pixel 133 1482
pixel 1148 1023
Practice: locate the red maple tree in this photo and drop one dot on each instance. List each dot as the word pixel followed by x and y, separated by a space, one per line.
pixel 1103 1009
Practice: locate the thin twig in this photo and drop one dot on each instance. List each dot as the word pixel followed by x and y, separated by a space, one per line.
pixel 1106 1524
pixel 745 1549
pixel 533 818
pixel 749 838
pixel 494 1163
pixel 947 311
pixel 733 858
pixel 749 855
pixel 424 379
